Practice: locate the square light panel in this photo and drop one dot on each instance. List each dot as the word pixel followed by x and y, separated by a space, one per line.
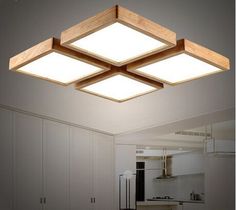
pixel 51 62
pixel 118 43
pixel 118 85
pixel 118 88
pixel 118 36
pixel 178 69
pixel 59 68
pixel 185 62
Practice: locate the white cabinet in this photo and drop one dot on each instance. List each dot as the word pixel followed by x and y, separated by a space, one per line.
pixel 187 163
pixel 27 162
pixel 103 178
pixel 80 169
pixel 47 165
pixel 6 184
pixel 91 170
pixel 40 164
pixel 56 165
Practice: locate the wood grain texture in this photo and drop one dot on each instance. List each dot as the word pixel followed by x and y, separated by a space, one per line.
pixel 31 54
pixel 113 72
pixel 179 48
pixel 49 46
pixel 79 56
pixel 206 55
pixel 188 47
pixel 117 71
pixel 89 26
pixel 125 17
pixel 146 26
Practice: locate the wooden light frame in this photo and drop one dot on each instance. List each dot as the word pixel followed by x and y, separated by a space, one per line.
pixel 125 17
pixel 117 71
pixel 128 68
pixel 48 46
pixel 183 46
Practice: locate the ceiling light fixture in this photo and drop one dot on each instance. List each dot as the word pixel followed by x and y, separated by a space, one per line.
pixel 118 55
pixel 186 61
pixel 50 61
pixel 118 85
pixel 118 36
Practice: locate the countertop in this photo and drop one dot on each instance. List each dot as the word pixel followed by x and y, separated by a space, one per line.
pixel 157 203
pixel 164 202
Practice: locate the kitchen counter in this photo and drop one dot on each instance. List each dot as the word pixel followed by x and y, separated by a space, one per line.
pixel 158 203
pixel 165 202
pixel 171 204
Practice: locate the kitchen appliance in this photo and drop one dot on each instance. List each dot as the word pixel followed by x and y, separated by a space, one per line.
pixel 166 197
pixel 127 194
pixel 164 174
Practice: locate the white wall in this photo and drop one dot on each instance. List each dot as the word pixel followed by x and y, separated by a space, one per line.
pixel 188 163
pixel 179 187
pixel 6 160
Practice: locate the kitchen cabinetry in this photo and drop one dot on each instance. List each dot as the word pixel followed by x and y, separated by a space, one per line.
pixel 103 177
pixel 40 164
pixel 187 163
pixel 27 170
pixel 48 165
pixel 56 165
pixel 80 169
pixel 91 170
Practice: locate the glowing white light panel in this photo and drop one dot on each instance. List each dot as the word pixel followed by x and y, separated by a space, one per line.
pixel 179 68
pixel 59 68
pixel 118 43
pixel 119 87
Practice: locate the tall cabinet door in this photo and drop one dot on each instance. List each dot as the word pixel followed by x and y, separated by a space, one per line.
pixel 6 200
pixel 103 172
pixel 80 169
pixel 56 165
pixel 27 162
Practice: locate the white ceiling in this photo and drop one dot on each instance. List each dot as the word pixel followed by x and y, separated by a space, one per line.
pixel 222 131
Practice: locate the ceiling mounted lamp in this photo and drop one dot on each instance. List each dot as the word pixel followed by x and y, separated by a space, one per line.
pixel 118 55
pixel 118 36
pixel 118 85
pixel 184 62
pixel 50 61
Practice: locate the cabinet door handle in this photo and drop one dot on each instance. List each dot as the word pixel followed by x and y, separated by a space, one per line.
pixel 91 200
pixel 41 200
pixel 94 200
pixel 44 200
